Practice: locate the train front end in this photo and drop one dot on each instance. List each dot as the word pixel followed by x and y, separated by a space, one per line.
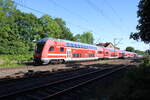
pixel 39 53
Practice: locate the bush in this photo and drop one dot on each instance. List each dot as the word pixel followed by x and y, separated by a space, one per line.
pixel 15 60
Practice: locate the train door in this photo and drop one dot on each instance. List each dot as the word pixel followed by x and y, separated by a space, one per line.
pixel 69 54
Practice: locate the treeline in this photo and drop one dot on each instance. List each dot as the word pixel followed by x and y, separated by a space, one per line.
pixel 19 30
pixel 144 53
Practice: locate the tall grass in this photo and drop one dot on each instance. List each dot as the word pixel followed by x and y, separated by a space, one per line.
pixel 14 60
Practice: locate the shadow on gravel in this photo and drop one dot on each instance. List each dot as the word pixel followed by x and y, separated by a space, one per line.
pixel 73 65
pixel 136 60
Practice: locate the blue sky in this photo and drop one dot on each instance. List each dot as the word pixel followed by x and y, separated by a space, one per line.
pixel 106 19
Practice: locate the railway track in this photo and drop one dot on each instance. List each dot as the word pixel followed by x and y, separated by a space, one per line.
pixel 58 87
pixel 7 82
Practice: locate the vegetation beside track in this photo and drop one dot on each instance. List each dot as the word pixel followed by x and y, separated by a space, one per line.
pixel 132 84
pixel 14 61
pixel 135 84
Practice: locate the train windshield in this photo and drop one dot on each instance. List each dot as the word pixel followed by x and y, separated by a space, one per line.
pixel 39 47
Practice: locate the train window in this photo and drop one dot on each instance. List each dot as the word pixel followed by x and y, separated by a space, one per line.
pixel 106 52
pixel 73 55
pixel 39 47
pixel 100 52
pixel 51 48
pixel 61 49
pixel 92 55
pixel 77 55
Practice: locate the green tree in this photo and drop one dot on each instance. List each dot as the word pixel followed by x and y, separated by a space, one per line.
pixel 77 37
pixel 147 51
pixel 28 25
pixel 7 5
pixel 144 22
pixel 11 39
pixel 65 34
pixel 50 27
pixel 141 52
pixel 86 37
pixel 131 49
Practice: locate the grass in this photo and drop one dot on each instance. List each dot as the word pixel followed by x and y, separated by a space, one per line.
pixel 10 65
pixel 14 60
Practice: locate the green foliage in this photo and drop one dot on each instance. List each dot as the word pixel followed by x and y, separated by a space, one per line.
pixel 145 54
pixel 135 84
pixel 7 6
pixel 65 34
pixel 14 61
pixel 50 27
pixel 86 37
pixel 146 62
pixel 147 51
pixel 144 22
pixel 131 49
pixel 13 47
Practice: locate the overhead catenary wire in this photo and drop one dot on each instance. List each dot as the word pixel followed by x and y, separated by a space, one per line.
pixel 41 12
pixel 22 5
pixel 100 11
pixel 115 12
pixel 72 13
pixel 69 11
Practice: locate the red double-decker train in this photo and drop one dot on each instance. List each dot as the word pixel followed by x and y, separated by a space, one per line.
pixel 58 50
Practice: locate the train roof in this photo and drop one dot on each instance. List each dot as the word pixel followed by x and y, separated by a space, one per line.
pixel 72 43
pixel 80 45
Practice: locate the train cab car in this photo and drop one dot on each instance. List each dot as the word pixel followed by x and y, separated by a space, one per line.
pixel 107 53
pixel 100 52
pixel 48 49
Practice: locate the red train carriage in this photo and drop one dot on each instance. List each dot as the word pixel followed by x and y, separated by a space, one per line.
pixel 49 50
pixel 114 53
pixel 128 54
